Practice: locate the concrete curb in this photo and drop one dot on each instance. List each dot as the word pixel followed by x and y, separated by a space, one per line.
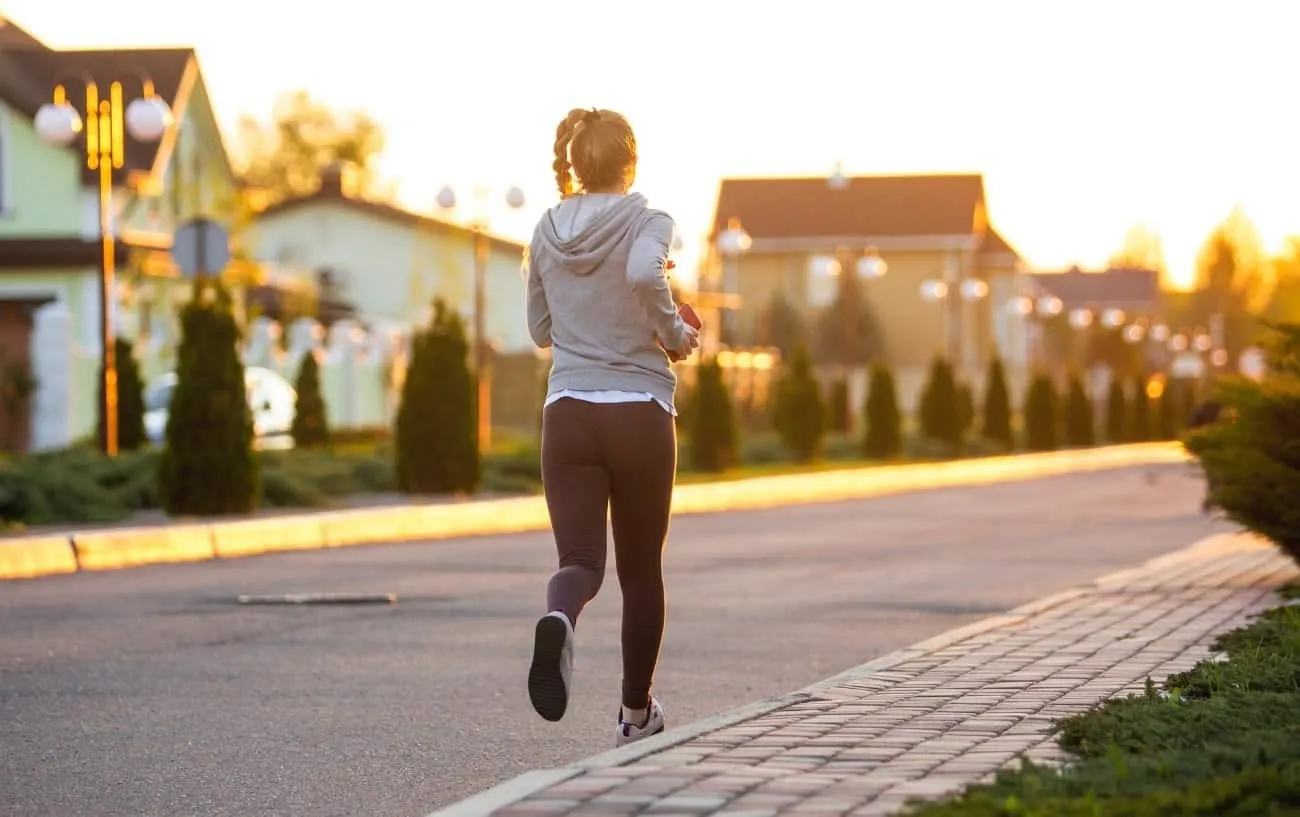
pixel 115 548
pixel 518 788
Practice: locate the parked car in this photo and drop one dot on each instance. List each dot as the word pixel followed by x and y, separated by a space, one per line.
pixel 271 399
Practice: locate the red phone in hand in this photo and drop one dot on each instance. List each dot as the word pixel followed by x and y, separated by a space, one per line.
pixel 692 319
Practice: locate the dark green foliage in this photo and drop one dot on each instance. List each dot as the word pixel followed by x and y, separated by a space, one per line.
pixel 130 400
pixel 208 466
pixel 940 410
pixel 310 421
pixel 883 427
pixel 1220 740
pixel 837 407
pixel 1042 415
pixel 965 410
pixel 1252 455
pixel 1139 424
pixel 782 326
pixel 846 330
pixel 1172 409
pixel 1117 413
pixel 713 440
pixel 996 417
pixel 798 408
pixel 1078 415
pixel 437 423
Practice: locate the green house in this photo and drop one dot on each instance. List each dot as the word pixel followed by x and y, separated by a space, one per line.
pixel 50 248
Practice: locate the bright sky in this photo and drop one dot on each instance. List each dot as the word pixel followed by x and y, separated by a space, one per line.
pixel 1085 117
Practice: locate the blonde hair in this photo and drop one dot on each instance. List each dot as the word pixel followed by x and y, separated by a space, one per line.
pixel 595 146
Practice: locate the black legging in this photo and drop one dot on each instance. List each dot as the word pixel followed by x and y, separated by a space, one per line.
pixel 620 458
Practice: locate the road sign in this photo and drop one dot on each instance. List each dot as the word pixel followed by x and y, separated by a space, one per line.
pixel 201 247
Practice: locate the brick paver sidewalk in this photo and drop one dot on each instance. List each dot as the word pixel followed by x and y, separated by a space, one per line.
pixel 930 719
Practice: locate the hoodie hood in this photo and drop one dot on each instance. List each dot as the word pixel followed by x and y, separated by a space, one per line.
pixel 582 231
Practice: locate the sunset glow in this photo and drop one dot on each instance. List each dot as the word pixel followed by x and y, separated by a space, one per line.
pixel 1084 118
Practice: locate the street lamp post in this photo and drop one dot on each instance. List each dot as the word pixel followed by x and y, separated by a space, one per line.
pixel 732 243
pixel 107 122
pixel 482 369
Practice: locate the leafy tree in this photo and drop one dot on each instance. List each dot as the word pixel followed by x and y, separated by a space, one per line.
pixel 310 419
pixel 714 443
pixel 1042 415
pixel 941 418
pixel 1230 270
pixel 997 407
pixel 208 466
pixel 437 446
pixel 782 326
pixel 1078 414
pixel 130 400
pixel 846 330
pixel 1117 413
pixel 883 428
pixel 1139 424
pixel 1142 249
pixel 285 158
pixel 799 413
pixel 1249 456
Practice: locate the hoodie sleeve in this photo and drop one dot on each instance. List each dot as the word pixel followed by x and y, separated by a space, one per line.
pixel 538 311
pixel 645 272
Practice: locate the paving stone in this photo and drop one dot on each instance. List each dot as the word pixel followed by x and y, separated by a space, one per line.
pixel 940 721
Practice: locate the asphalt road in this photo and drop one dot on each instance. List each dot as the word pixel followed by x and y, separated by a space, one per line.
pixel 151 692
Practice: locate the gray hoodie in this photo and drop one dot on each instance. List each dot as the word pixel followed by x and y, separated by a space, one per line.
pixel 598 295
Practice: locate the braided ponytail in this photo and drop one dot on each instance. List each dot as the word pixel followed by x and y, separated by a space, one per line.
pixel 594 149
pixel 564 134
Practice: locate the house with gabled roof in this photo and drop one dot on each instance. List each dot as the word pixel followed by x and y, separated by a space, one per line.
pixel 49 221
pixel 386 264
pixel 924 227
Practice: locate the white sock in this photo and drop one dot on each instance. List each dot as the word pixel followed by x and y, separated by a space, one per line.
pixel 636 717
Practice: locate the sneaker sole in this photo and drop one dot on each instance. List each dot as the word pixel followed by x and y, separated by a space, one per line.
pixel 546 687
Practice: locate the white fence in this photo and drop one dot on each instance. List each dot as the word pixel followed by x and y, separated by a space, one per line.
pixel 361 371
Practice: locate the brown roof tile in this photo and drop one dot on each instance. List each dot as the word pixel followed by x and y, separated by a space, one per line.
pixel 875 206
pixel 13 36
pixel 995 244
pixel 1118 286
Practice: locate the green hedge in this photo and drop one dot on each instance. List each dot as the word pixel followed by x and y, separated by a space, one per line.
pixel 1221 740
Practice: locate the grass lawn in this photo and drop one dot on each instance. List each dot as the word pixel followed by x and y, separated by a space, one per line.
pixel 1221 740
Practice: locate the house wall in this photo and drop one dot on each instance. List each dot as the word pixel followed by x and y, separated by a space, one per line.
pixel 392 271
pixel 42 183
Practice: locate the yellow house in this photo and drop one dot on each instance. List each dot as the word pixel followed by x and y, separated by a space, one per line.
pixel 50 247
pixel 382 266
pixel 926 229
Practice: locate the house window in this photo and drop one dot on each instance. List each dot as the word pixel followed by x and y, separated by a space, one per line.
pixel 6 180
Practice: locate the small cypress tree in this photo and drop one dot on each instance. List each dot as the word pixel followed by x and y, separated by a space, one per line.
pixel 940 409
pixel 838 406
pixel 437 422
pixel 965 410
pixel 130 400
pixel 310 419
pixel 1078 415
pixel 1117 413
pixel 1140 421
pixel 1042 415
pixel 997 407
pixel 713 438
pixel 1171 410
pixel 883 423
pixel 799 413
pixel 208 466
